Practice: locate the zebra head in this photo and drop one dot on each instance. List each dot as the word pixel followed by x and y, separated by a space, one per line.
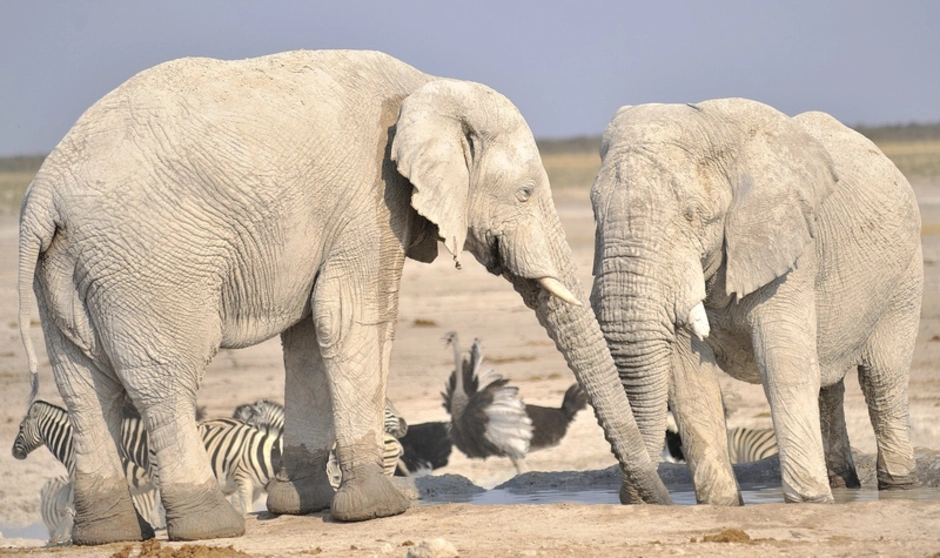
pixel 263 414
pixel 29 437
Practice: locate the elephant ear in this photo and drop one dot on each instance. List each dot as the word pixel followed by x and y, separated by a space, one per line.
pixel 433 149
pixel 780 178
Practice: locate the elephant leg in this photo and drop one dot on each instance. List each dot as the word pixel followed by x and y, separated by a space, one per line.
pixel 104 512
pixel 354 315
pixel 165 394
pixel 840 464
pixel 696 398
pixel 784 342
pixel 301 485
pixel 883 377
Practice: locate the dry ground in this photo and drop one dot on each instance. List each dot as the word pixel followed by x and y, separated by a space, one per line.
pixel 436 298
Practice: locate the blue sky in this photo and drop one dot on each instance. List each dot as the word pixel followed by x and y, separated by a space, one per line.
pixel 567 65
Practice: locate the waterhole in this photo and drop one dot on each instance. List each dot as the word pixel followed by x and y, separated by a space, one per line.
pixel 682 495
pixel 33 531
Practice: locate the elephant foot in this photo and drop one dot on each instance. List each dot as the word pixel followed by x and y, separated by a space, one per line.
pixel 201 512
pixel 103 517
pixel 302 485
pixel 299 496
pixel 844 479
pixel 367 494
pixel 790 498
pixel 891 482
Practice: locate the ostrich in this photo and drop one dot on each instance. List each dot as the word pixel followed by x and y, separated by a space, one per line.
pixel 487 416
pixel 550 424
pixel 426 446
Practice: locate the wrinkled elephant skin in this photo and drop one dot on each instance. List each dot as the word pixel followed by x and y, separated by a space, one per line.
pixel 209 204
pixel 783 251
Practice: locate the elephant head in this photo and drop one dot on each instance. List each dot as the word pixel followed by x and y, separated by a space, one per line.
pixel 696 207
pixel 478 178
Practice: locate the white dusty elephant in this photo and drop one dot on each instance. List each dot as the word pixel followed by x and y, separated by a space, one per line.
pixel 206 204
pixel 783 251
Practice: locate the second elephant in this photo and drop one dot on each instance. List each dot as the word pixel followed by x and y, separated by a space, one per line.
pixel 783 251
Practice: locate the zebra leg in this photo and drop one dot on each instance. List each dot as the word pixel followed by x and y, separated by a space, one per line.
pixel 354 315
pixel 104 512
pixel 301 484
pixel 65 509
pixel 144 493
pixel 242 500
pixel 839 461
pixel 165 394
pixel 884 377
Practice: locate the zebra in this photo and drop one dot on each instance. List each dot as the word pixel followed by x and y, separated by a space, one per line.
pixel 267 414
pixel 49 425
pixel 751 444
pixel 57 507
pixel 244 458
pixel 46 424
pixel 744 444
pixel 263 413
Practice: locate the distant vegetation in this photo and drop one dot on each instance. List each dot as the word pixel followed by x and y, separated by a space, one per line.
pixel 914 148
pixel 573 162
pixel 901 132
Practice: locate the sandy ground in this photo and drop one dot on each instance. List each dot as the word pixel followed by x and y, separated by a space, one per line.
pixel 437 298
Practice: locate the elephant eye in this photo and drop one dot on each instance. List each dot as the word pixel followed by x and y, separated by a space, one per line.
pixel 524 193
pixel 692 211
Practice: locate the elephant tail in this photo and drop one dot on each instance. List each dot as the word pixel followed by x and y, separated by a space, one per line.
pixel 37 228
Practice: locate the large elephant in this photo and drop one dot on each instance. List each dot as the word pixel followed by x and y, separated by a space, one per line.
pixel 206 204
pixel 783 251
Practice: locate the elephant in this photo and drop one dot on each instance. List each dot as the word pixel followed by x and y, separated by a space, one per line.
pixel 782 251
pixel 207 204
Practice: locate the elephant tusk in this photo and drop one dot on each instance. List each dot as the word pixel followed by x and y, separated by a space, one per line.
pixel 698 321
pixel 555 288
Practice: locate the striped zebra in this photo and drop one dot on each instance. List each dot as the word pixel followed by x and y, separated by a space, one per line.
pixel 57 507
pixel 49 425
pixel 751 444
pixel 267 414
pixel 244 458
pixel 46 424
pixel 744 444
pixel 263 413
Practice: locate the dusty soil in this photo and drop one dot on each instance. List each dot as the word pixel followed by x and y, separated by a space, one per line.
pixel 437 298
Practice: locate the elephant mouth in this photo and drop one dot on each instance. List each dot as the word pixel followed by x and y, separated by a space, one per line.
pixel 533 279
pixel 493 262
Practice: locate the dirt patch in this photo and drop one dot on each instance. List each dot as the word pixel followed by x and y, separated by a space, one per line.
pixel 728 536
pixel 153 549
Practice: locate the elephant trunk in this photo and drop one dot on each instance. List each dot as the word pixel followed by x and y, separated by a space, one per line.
pixel 578 337
pixel 639 329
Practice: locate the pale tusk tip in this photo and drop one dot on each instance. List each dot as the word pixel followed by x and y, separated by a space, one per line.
pixel 557 289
